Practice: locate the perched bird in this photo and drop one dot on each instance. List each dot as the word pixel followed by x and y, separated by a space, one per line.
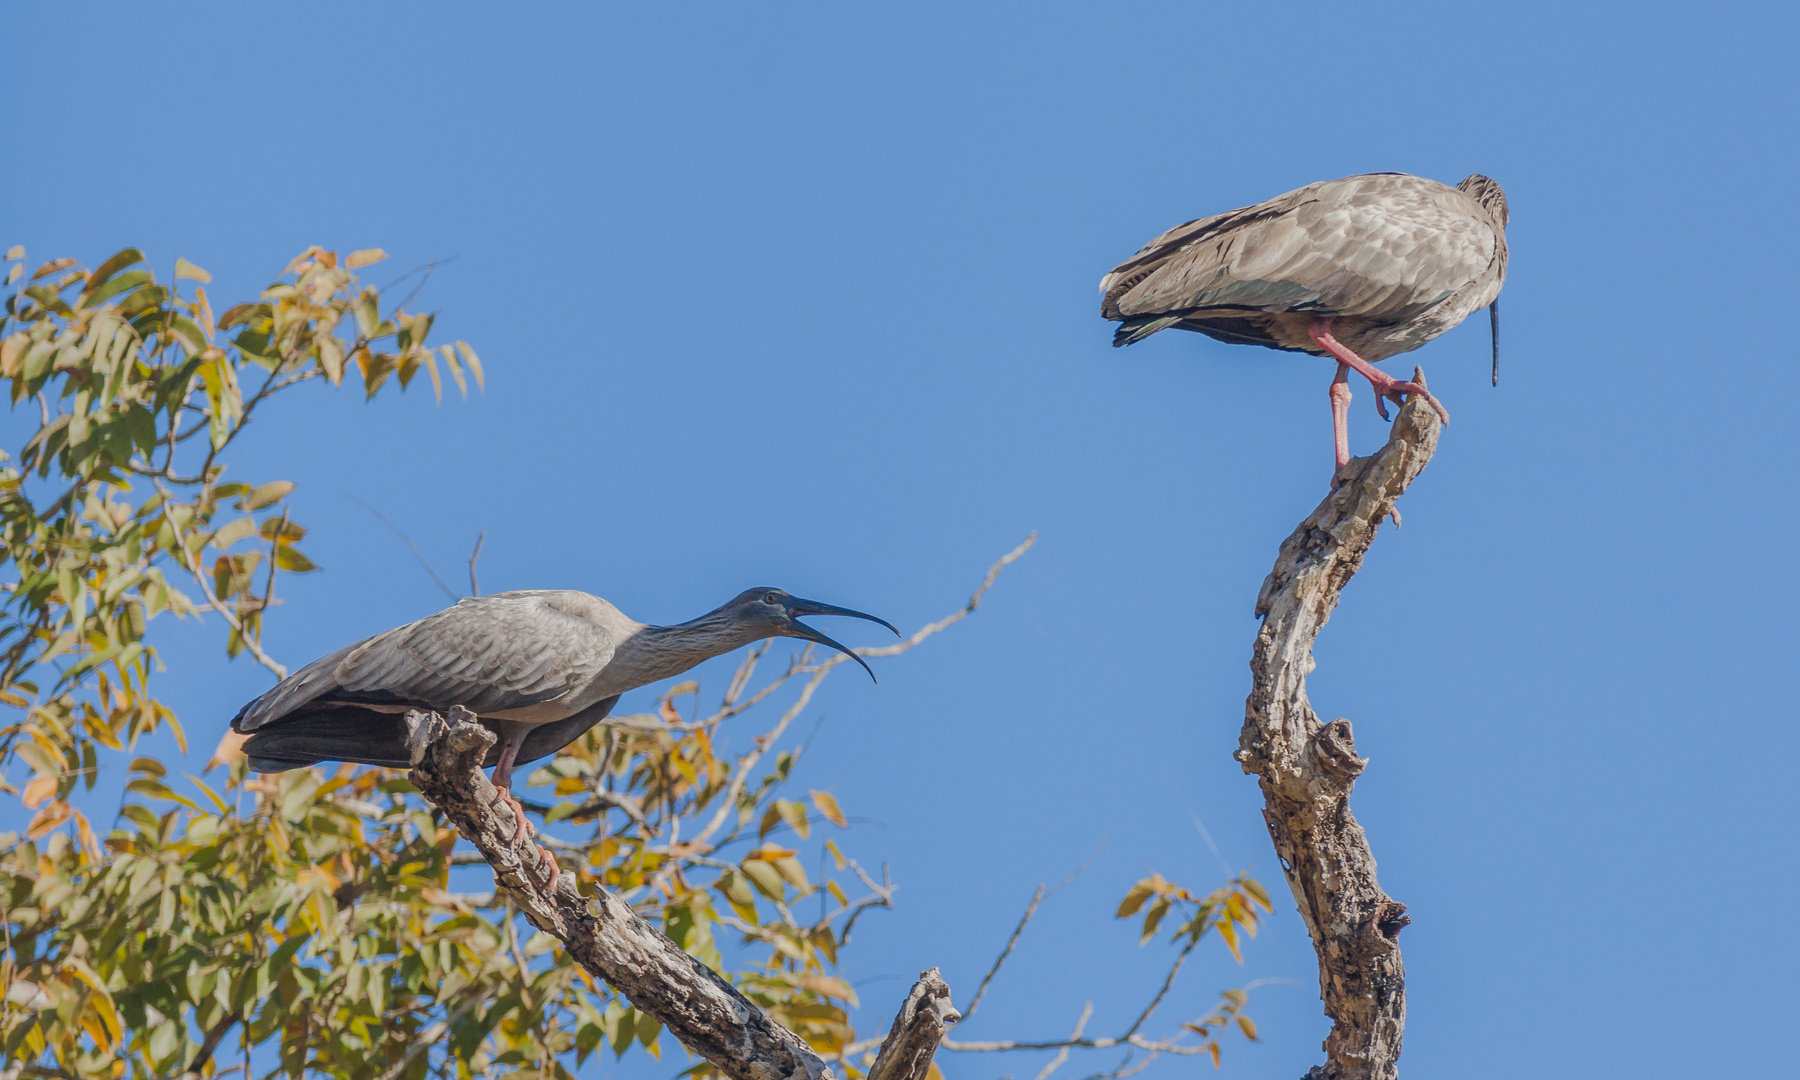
pixel 1359 269
pixel 539 667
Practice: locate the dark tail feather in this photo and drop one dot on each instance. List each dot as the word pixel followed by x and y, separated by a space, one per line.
pixel 367 737
pixel 355 735
pixel 1142 327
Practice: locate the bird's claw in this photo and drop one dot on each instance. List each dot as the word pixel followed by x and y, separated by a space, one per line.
pixel 1397 391
pixel 523 827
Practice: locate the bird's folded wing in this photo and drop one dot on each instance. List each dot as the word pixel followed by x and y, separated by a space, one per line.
pixel 488 654
pixel 1371 245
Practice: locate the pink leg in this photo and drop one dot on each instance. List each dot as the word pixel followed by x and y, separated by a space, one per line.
pixel 1340 417
pixel 1386 386
pixel 503 776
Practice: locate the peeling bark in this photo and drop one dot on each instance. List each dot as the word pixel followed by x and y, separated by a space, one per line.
pixel 907 1051
pixel 1306 768
pixel 611 940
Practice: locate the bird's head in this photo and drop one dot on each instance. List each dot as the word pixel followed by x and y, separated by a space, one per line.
pixel 778 613
pixel 1486 192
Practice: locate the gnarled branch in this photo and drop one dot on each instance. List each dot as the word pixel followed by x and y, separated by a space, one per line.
pixel 1306 768
pixel 613 942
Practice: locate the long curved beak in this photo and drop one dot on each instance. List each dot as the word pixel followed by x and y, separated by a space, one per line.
pixel 1494 328
pixel 796 628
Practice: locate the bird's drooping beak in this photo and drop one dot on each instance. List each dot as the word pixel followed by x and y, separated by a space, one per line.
pixel 797 607
pixel 1494 327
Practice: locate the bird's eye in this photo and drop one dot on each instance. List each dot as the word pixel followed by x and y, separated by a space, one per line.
pixel 772 598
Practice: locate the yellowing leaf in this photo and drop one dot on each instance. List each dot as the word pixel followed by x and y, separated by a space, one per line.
pixel 185 269
pixel 289 558
pixel 40 788
pixel 51 267
pixel 366 257
pixel 765 877
pixel 1140 892
pixel 267 494
pixel 827 805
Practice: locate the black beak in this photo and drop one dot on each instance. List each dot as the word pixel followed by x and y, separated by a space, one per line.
pixel 1494 327
pixel 797 607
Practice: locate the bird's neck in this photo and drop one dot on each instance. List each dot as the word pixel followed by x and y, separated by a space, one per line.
pixel 663 652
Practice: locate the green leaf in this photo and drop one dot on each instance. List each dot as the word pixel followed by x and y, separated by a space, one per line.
pixel 765 877
pixel 289 558
pixel 281 530
pixel 104 272
pixel 233 532
pixel 124 283
pixel 267 494
pixel 1153 917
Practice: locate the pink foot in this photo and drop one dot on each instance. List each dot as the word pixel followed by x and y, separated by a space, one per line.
pixel 1387 388
pixel 523 828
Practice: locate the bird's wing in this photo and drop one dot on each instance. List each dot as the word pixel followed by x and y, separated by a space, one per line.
pixel 1380 246
pixel 487 654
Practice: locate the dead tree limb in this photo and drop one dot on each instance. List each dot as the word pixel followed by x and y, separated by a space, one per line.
pixel 614 943
pixel 907 1051
pixel 1306 768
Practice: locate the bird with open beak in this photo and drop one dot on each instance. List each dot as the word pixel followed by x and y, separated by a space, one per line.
pixel 538 667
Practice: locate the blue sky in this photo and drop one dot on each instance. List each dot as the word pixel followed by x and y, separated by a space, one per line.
pixel 804 295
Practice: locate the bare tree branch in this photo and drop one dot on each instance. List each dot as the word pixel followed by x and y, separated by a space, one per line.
pixel 612 941
pixel 1306 768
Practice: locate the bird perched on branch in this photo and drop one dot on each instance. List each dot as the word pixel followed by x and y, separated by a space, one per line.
pixel 539 668
pixel 1359 269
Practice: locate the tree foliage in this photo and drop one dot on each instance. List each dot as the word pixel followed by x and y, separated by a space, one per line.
pixel 312 921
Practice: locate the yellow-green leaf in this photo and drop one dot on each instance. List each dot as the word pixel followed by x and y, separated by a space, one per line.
pixel 267 494
pixel 290 559
pixel 827 805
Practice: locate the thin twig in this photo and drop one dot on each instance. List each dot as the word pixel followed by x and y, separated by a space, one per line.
pixel 729 804
pixel 475 582
pixel 1036 898
pixel 206 588
pixel 981 991
pixel 417 554
pixel 1062 1055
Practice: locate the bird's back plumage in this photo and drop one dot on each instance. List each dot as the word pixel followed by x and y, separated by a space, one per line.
pixel 531 655
pixel 1395 259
